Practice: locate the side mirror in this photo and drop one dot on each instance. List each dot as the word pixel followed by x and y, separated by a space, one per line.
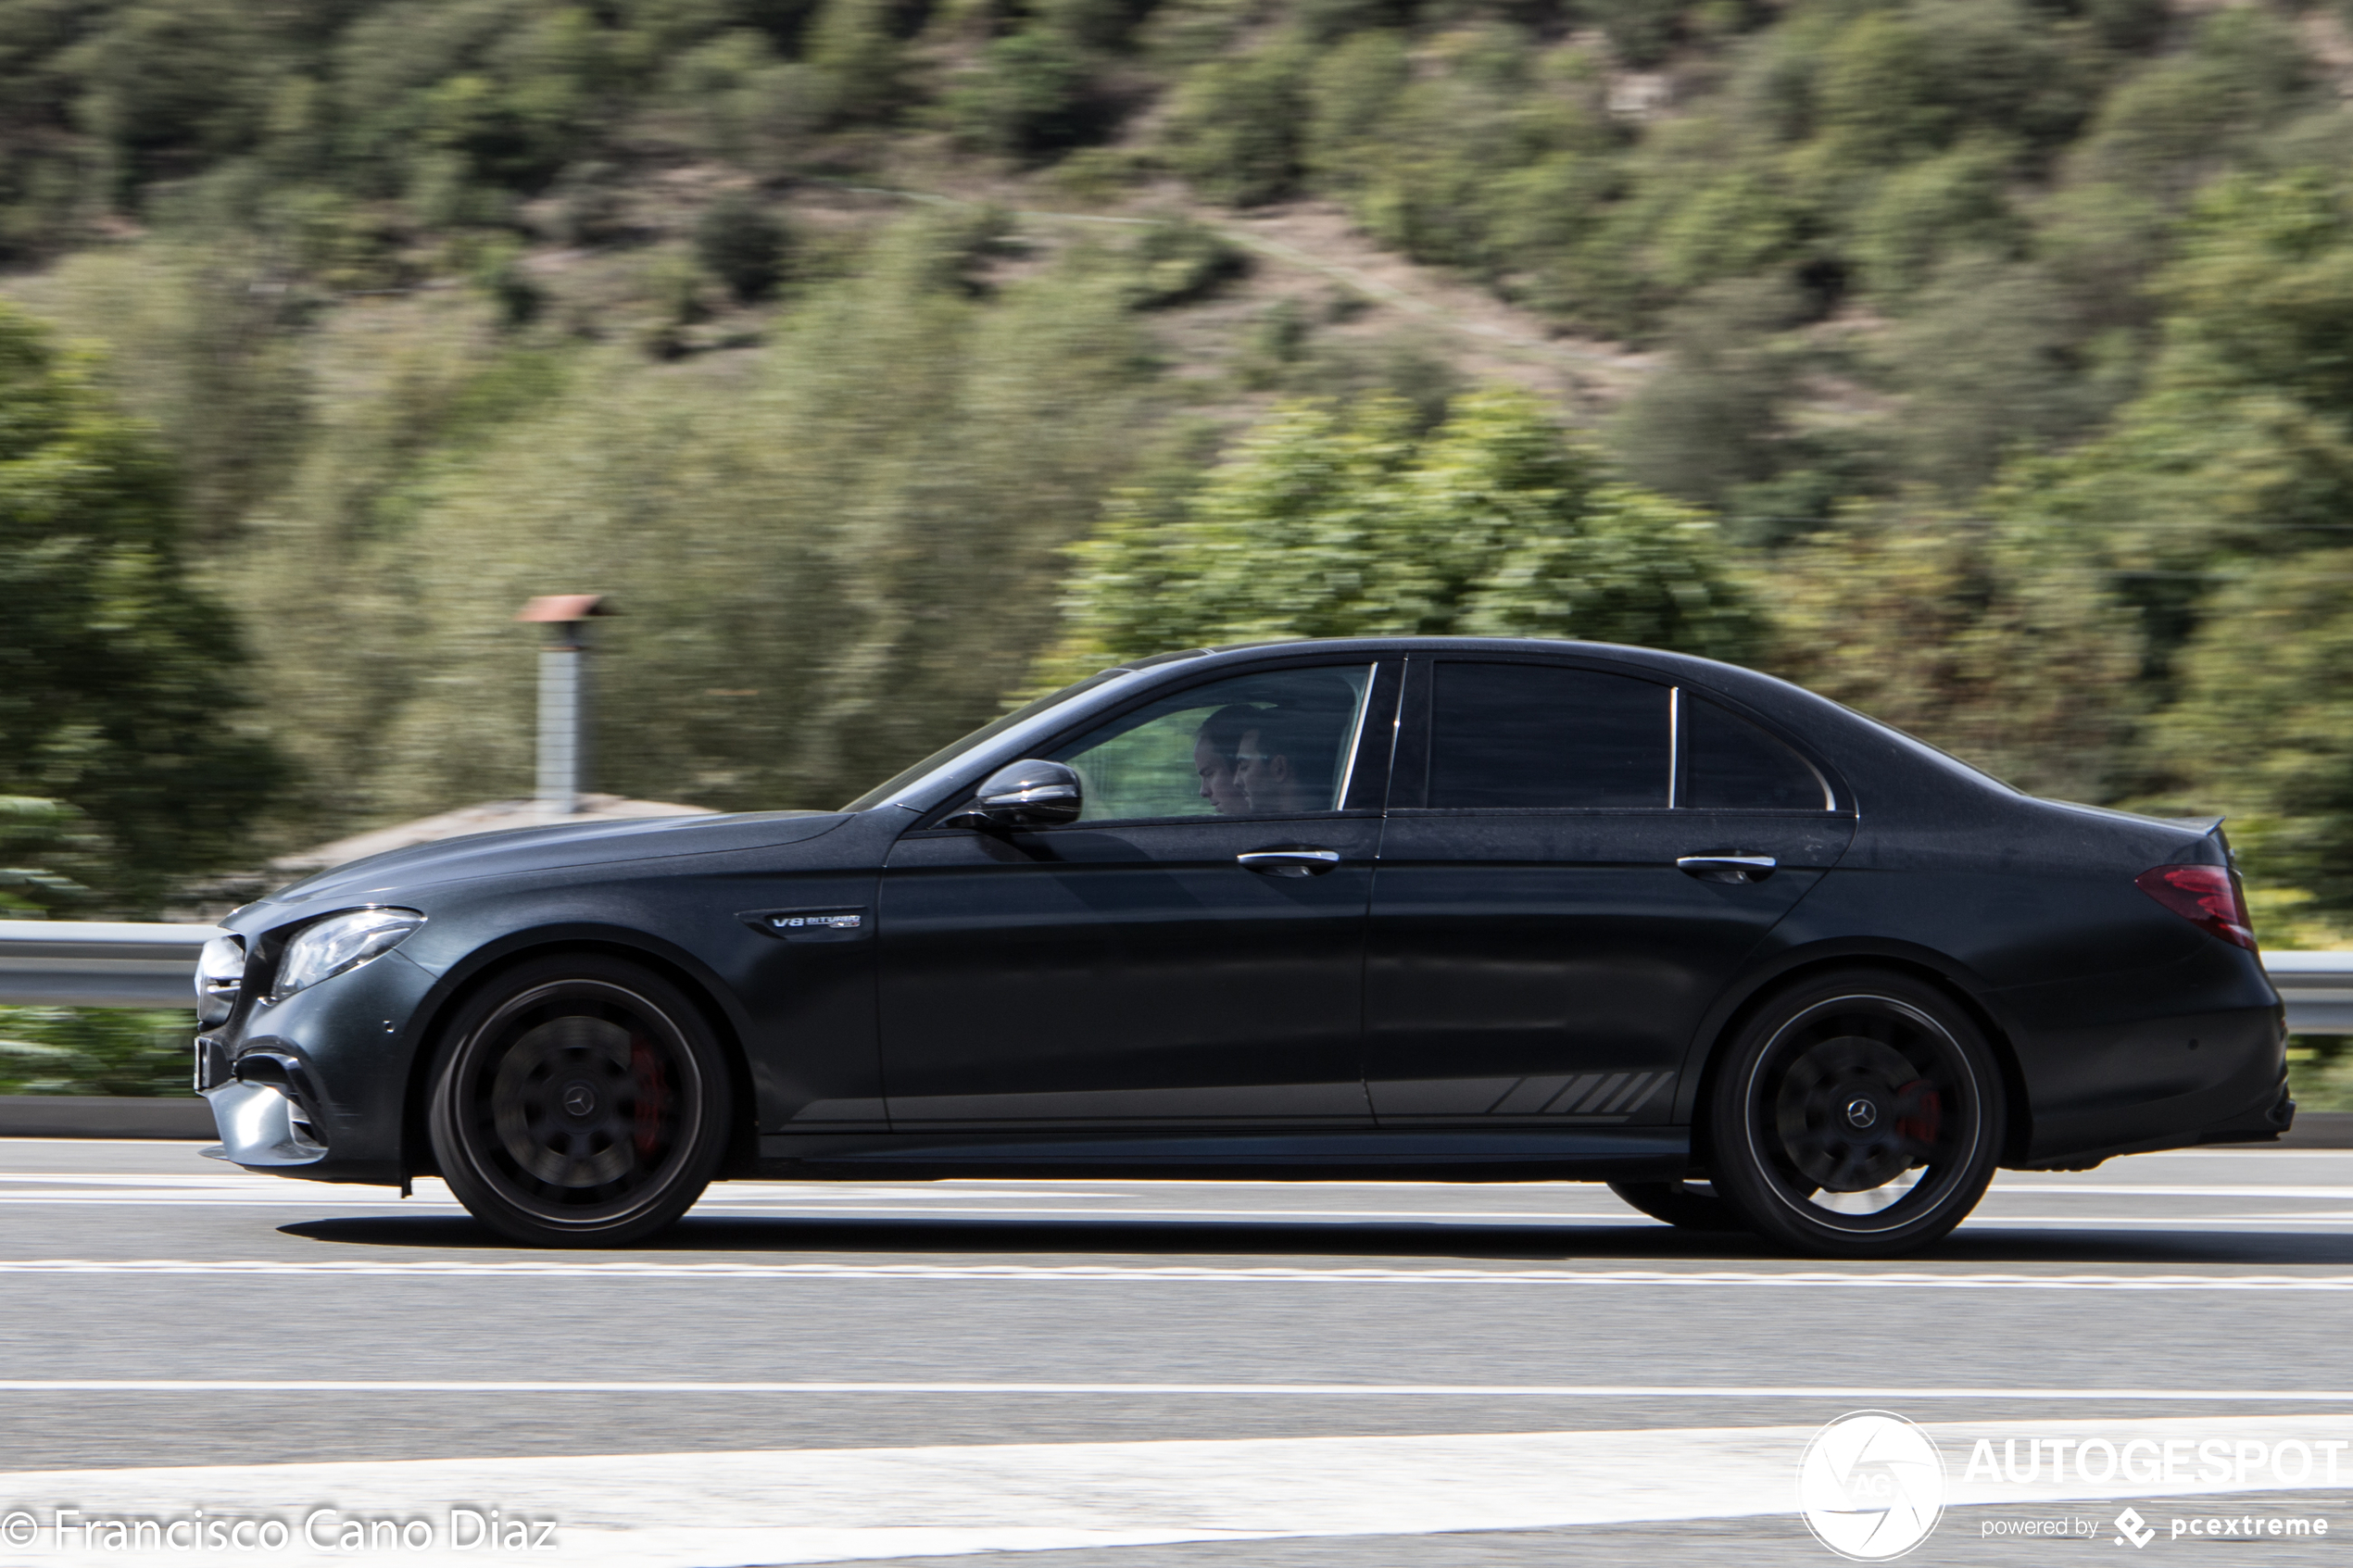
pixel 1029 793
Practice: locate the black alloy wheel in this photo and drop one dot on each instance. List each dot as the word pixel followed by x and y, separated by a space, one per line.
pixel 1686 1205
pixel 1859 1115
pixel 580 1101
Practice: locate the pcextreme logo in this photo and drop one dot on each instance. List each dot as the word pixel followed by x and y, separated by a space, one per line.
pixel 1871 1486
pixel 2136 1529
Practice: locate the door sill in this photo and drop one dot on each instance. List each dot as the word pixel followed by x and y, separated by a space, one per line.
pixel 1578 1153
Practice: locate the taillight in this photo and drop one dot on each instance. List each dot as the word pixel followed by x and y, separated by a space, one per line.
pixel 2205 895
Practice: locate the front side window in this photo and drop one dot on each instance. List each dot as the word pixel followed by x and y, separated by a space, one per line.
pixel 1539 737
pixel 1275 744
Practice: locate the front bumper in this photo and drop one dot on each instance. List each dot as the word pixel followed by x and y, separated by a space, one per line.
pixel 261 1127
pixel 317 1085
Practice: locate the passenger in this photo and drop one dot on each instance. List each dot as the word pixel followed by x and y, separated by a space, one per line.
pixel 1214 743
pixel 1288 762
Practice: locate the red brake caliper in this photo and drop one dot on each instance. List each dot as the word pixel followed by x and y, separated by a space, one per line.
pixel 1928 1113
pixel 653 1095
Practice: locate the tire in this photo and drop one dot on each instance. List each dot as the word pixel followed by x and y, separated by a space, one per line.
pixel 1860 1114
pixel 1690 1206
pixel 579 1102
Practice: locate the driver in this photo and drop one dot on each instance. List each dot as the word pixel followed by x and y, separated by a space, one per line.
pixel 1284 765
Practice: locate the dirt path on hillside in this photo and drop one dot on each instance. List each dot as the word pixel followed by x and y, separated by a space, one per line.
pixel 1495 340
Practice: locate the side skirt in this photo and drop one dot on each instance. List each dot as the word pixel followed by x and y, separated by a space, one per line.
pixel 1586 1154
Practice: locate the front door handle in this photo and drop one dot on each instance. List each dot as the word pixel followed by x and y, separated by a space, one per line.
pixel 1289 863
pixel 1727 868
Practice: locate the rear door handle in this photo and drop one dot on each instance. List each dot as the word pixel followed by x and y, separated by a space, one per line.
pixel 1728 868
pixel 1289 863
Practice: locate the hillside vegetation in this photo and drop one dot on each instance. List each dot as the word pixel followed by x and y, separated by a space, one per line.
pixel 1979 362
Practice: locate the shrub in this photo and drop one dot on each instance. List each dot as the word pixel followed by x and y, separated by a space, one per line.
pixel 135 1051
pixel 741 246
pixel 1028 97
pixel 1179 261
pixel 1934 209
pixel 1236 128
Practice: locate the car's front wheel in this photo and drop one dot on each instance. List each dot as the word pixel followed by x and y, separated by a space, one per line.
pixel 579 1102
pixel 1858 1114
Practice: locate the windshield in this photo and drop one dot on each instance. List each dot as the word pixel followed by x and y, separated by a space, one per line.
pixel 981 736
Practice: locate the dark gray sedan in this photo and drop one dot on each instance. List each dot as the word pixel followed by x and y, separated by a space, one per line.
pixel 1474 909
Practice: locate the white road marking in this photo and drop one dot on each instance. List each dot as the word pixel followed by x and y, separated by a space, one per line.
pixel 1222 1390
pixel 819 1505
pixel 1106 1273
pixel 2105 1189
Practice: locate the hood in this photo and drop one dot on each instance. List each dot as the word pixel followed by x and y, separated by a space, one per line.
pixel 555 847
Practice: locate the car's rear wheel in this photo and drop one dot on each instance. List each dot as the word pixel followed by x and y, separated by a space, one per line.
pixel 1692 1206
pixel 579 1102
pixel 1856 1115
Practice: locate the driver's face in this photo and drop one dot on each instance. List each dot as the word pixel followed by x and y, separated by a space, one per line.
pixel 1263 779
pixel 1217 785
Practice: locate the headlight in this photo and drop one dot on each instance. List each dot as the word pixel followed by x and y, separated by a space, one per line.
pixel 339 943
pixel 221 973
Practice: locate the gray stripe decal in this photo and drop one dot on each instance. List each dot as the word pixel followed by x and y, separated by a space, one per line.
pixel 1560 1103
pixel 1505 1095
pixel 1530 1096
pixel 1593 1102
pixel 1625 1102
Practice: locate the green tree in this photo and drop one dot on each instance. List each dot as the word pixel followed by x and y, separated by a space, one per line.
pixel 1999 643
pixel 119 689
pixel 1327 522
pixel 2241 444
pixel 2263 728
pixel 831 558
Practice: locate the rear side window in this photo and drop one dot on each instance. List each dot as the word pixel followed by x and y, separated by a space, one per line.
pixel 1534 736
pixel 1731 765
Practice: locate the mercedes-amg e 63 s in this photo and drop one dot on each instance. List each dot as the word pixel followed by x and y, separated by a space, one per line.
pixel 1398 907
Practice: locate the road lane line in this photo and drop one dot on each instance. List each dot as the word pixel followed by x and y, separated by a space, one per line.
pixel 1218 1390
pixel 1090 1274
pixel 724 1509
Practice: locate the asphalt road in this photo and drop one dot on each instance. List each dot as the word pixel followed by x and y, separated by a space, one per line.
pixel 1134 1374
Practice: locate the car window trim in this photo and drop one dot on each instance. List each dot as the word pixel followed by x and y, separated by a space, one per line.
pixel 1674 744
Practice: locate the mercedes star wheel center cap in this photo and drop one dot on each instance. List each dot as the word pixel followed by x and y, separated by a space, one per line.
pixel 579 1098
pixel 1861 1113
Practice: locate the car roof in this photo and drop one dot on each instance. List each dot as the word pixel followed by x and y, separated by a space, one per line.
pixel 1732 676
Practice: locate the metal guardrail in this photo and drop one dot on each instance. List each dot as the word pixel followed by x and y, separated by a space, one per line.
pixel 2318 989
pixel 100 963
pixel 93 963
